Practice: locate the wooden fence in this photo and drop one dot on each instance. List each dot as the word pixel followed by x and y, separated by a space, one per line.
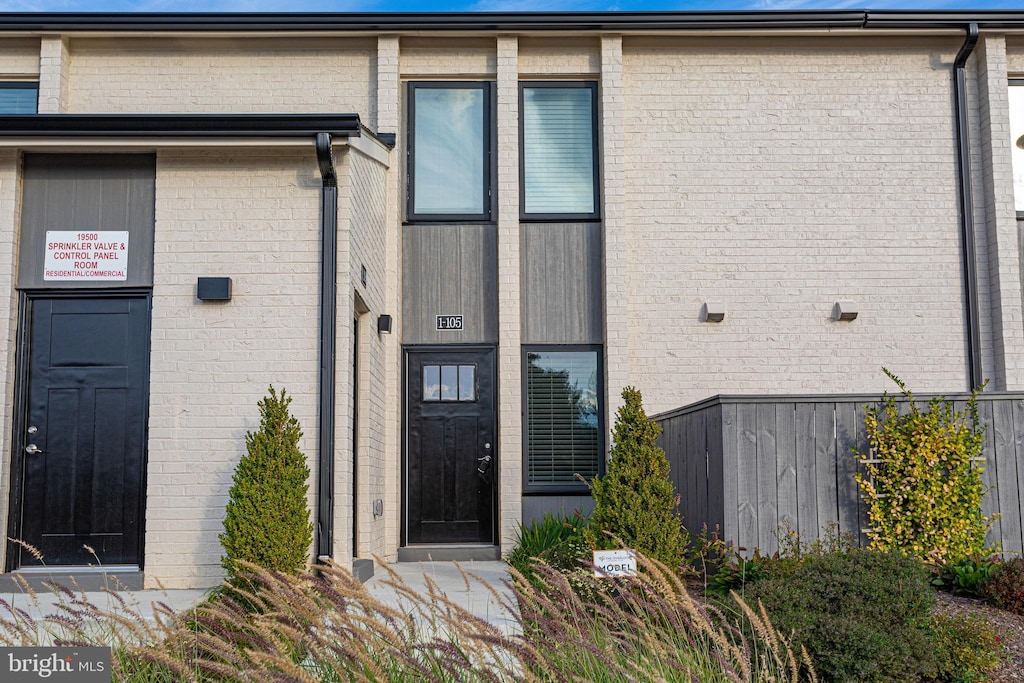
pixel 750 463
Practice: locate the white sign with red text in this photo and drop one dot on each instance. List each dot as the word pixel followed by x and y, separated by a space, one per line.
pixel 100 255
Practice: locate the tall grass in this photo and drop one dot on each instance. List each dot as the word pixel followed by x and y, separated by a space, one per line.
pixel 326 626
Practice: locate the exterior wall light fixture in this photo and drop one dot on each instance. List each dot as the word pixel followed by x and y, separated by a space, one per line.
pixel 213 289
pixel 713 313
pixel 845 310
pixel 384 324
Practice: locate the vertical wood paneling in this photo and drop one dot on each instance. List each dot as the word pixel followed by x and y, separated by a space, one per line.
pixel 449 270
pixel 730 476
pixel 746 473
pixel 990 504
pixel 864 447
pixel 700 515
pixel 767 482
pixel 716 473
pixel 689 492
pixel 785 463
pixel 807 477
pixel 561 283
pixel 825 465
pixel 846 466
pixel 1006 474
pixel 1018 425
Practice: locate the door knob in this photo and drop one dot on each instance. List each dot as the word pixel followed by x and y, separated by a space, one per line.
pixel 32 449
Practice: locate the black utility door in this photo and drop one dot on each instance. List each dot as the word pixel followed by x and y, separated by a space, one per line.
pixel 451 466
pixel 83 450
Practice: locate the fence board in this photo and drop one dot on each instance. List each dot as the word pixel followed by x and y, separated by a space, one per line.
pixel 692 471
pixel 716 503
pixel 1006 474
pixel 785 461
pixel 1011 540
pixel 1018 425
pixel 700 457
pixel 746 471
pixel 825 465
pixel 990 503
pixel 846 466
pixel 864 446
pixel 767 481
pixel 730 476
pixel 806 477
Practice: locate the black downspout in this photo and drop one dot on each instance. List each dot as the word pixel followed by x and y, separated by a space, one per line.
pixel 328 319
pixel 963 161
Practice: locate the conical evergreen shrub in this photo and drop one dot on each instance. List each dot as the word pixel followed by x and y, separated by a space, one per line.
pixel 635 499
pixel 267 521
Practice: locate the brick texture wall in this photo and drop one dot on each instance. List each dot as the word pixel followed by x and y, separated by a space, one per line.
pixel 240 76
pixel 253 216
pixel 19 57
pixel 778 177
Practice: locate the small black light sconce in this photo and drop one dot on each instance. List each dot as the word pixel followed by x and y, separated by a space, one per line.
pixel 845 310
pixel 213 289
pixel 384 324
pixel 713 313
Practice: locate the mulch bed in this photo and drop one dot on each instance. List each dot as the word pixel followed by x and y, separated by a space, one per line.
pixel 1009 627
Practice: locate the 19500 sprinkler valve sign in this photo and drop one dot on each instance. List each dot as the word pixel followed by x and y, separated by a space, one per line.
pixel 101 255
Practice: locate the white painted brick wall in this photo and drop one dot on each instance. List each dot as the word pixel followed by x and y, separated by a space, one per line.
pixel 253 216
pixel 1015 56
pixel 448 58
pixel 54 65
pixel 510 429
pixel 19 57
pixel 778 178
pixel 237 76
pixel 10 190
pixel 541 57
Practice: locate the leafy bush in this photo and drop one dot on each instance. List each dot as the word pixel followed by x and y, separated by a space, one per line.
pixel 966 648
pixel 923 486
pixel 267 521
pixel 635 499
pixel 966 576
pixel 1006 586
pixel 861 614
pixel 557 540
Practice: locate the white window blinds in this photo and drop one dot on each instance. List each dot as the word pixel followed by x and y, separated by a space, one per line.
pixel 558 150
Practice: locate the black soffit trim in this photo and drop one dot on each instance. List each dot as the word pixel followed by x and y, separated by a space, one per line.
pixel 180 125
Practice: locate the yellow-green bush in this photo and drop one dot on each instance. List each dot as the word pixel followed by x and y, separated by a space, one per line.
pixel 923 486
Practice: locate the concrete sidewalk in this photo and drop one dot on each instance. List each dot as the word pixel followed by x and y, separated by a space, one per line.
pixel 474 598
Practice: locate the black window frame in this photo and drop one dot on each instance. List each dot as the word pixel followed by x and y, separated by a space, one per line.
pixel 560 217
pixel 489 161
pixel 21 85
pixel 577 487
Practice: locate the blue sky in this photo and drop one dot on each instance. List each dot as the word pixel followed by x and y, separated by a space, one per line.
pixel 478 5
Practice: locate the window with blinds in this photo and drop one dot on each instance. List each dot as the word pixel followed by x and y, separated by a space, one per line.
pixel 558 150
pixel 19 97
pixel 563 417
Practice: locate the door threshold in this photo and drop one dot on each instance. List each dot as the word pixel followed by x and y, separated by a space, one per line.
pixel 77 578
pixel 466 552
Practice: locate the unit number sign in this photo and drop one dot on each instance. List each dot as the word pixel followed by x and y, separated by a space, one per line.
pixel 449 322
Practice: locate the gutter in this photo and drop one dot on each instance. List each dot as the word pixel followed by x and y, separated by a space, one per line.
pixel 328 344
pixel 963 161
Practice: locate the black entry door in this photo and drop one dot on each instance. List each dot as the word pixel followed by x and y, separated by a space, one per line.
pixel 451 456
pixel 83 448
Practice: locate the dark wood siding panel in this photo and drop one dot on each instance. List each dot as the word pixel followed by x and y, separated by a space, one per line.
pixel 449 270
pixel 107 192
pixel 561 283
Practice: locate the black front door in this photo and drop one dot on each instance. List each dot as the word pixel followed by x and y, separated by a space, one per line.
pixel 83 447
pixel 451 454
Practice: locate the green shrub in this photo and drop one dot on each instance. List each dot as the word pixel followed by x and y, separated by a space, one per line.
pixel 966 576
pixel 861 614
pixel 923 486
pixel 558 540
pixel 966 648
pixel 267 521
pixel 635 499
pixel 1005 588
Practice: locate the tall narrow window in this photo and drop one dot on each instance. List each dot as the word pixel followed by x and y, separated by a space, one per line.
pixel 19 97
pixel 563 417
pixel 449 151
pixel 559 142
pixel 1017 142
